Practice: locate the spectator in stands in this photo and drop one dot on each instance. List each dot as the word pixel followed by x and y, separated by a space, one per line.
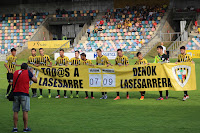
pixel 58 11
pixel 137 24
pixel 21 80
pixel 63 11
pixel 121 21
pixel 154 24
pixel 131 28
pixel 96 29
pixel 129 24
pixel 88 32
pixel 135 28
pixel 198 29
pixel 119 26
pixel 196 25
pixel 97 23
pixel 101 23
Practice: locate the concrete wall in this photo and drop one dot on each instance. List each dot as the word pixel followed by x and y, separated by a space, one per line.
pixel 101 5
pixel 42 33
pixel 180 4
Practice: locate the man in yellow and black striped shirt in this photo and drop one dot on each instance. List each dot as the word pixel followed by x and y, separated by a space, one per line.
pixel 183 57
pixel 121 60
pixel 44 60
pixel 33 61
pixel 102 60
pixel 85 61
pixel 75 61
pixel 141 61
pixel 62 60
pixel 10 64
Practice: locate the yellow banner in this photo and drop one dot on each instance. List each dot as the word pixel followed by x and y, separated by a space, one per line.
pixel 194 53
pixel 153 77
pixel 48 44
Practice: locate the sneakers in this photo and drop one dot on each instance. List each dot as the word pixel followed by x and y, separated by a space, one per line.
pixel 185 98
pixel 15 130
pixel 6 95
pixel 49 96
pixel 167 97
pixel 27 130
pixel 77 96
pixel 102 97
pixel 160 98
pixel 86 97
pixel 105 97
pixel 71 96
pixel 65 97
pixel 34 95
pixel 93 97
pixel 58 96
pixel 127 97
pixel 40 97
pixel 117 98
pixel 142 98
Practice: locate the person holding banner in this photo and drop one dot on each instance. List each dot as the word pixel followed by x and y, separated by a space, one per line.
pixel 183 57
pixel 161 58
pixel 85 61
pixel 75 61
pixel 44 60
pixel 102 60
pixel 121 60
pixel 32 60
pixel 62 61
pixel 141 61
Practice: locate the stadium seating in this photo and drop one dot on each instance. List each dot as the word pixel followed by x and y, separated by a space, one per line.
pixel 193 44
pixel 82 13
pixel 109 37
pixel 16 29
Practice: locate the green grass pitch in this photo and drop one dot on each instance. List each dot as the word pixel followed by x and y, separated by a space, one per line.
pixel 106 116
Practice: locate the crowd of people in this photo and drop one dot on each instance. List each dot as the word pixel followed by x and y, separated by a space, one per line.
pixel 44 60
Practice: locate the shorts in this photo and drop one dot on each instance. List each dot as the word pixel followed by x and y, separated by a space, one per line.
pixel 10 77
pixel 24 101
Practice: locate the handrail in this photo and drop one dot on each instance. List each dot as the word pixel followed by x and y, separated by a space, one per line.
pixel 170 48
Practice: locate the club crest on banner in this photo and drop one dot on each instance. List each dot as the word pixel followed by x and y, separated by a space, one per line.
pixel 181 74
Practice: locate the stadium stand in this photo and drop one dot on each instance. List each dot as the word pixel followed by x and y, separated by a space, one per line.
pixel 128 29
pixel 16 29
pixel 82 13
pixel 193 44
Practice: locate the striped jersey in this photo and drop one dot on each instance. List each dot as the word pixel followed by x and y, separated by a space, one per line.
pixel 44 60
pixel 103 60
pixel 11 62
pixel 86 62
pixel 121 60
pixel 32 60
pixel 62 61
pixel 184 58
pixel 75 61
pixel 141 62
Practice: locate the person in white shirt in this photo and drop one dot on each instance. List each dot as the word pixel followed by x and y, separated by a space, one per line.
pixel 164 48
